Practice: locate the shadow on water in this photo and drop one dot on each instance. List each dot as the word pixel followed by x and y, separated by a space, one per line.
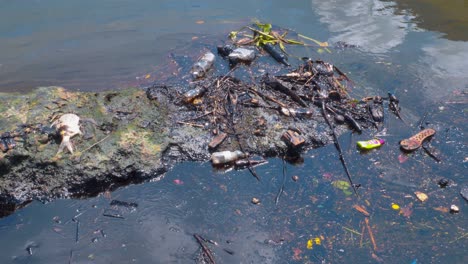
pixel 392 55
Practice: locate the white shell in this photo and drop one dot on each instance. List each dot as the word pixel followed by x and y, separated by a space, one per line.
pixel 454 208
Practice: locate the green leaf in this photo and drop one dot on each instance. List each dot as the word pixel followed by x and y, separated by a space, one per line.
pixel 295 42
pixel 233 35
pixel 342 185
pixel 266 28
pixel 281 45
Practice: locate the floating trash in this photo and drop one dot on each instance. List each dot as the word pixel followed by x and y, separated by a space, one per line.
pixel 454 209
pixel 421 196
pixel 370 144
pixel 255 200
pixel 343 185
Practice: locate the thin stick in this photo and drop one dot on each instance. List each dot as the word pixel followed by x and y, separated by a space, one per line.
pixel 280 191
pixel 77 234
pixel 458 238
pixel 205 249
pixel 351 230
pixel 428 152
pixel 338 147
pixel 362 235
pixel 275 83
pixel 190 124
pixel 421 122
pixel 267 97
pixel 88 148
pixel 231 117
pixel 197 117
pixel 219 82
pixel 370 233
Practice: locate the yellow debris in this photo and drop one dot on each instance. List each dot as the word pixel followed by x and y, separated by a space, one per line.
pixel 318 241
pixel 310 244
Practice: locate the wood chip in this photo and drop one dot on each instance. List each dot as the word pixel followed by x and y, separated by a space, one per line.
pixel 217 140
pixel 421 196
pixel 361 210
pixel 293 138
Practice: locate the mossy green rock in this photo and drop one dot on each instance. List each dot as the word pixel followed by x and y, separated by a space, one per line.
pixel 126 145
pixel 133 136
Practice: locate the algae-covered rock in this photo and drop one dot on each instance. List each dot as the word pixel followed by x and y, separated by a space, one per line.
pixel 114 147
pixel 132 135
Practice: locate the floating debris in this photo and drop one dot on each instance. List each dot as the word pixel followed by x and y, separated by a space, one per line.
pixel 178 182
pixel 217 140
pixel 370 144
pixel 241 55
pixel 361 209
pixel 201 67
pixel 129 205
pixel 245 163
pixel 191 95
pixel 255 200
pixel 443 183
pixel 416 141
pixel 421 196
pixel 395 207
pixel 293 139
pixel 454 209
pixel 342 185
pixel 223 157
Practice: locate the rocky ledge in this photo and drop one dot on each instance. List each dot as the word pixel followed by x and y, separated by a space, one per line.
pixel 133 135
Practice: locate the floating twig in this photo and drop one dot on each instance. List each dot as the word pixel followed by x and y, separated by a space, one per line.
pixel 351 230
pixel 77 234
pixel 458 238
pixel 347 117
pixel 366 220
pixel 206 251
pixel 361 210
pixel 362 235
pixel 279 86
pixel 280 191
pixel 428 152
pixel 395 106
pixel 338 147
